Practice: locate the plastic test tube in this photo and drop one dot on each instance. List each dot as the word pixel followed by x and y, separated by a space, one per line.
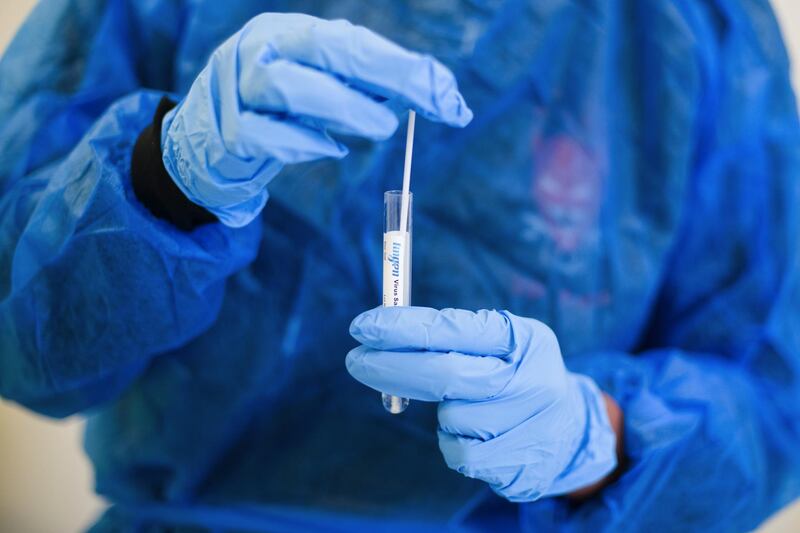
pixel 396 269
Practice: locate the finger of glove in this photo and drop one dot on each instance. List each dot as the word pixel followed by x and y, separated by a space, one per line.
pixel 489 419
pixel 429 376
pixel 520 464
pixel 422 328
pixel 254 136
pixel 512 475
pixel 244 135
pixel 281 86
pixel 379 66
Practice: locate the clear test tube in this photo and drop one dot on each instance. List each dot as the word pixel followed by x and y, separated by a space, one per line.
pixel 396 268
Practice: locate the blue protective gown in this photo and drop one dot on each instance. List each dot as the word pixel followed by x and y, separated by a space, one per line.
pixel 631 178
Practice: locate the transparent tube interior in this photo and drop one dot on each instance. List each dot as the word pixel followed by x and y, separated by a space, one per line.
pixel 396 267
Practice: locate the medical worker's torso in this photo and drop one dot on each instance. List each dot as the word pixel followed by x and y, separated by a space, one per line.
pixel 528 209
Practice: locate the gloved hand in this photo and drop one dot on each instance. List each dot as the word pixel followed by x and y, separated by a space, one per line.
pixel 510 412
pixel 271 93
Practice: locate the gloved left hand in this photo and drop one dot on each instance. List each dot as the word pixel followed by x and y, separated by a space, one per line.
pixel 272 94
pixel 510 413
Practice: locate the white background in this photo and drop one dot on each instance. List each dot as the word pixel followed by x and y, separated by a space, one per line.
pixel 45 481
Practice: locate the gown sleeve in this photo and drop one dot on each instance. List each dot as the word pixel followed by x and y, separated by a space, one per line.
pixel 92 284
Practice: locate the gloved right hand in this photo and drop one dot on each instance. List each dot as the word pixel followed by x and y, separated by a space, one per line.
pixel 511 413
pixel 271 93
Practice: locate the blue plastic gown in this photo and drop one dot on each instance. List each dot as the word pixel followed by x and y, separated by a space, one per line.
pixel 631 178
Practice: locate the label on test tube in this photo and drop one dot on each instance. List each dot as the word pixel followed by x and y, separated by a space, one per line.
pixel 395 268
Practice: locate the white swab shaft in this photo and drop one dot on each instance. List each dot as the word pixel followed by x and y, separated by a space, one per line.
pixel 407 171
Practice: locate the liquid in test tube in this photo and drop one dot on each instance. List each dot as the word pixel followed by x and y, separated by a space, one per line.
pixel 396 269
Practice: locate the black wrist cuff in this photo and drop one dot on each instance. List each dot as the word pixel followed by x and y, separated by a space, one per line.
pixel 152 183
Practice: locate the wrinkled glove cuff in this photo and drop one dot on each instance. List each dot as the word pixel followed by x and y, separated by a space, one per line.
pixel 153 185
pixel 596 454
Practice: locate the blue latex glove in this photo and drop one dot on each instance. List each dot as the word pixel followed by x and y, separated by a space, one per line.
pixel 510 414
pixel 271 93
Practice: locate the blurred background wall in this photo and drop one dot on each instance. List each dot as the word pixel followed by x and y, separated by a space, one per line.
pixel 45 480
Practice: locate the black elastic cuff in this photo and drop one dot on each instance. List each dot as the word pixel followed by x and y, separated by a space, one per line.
pixel 152 183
